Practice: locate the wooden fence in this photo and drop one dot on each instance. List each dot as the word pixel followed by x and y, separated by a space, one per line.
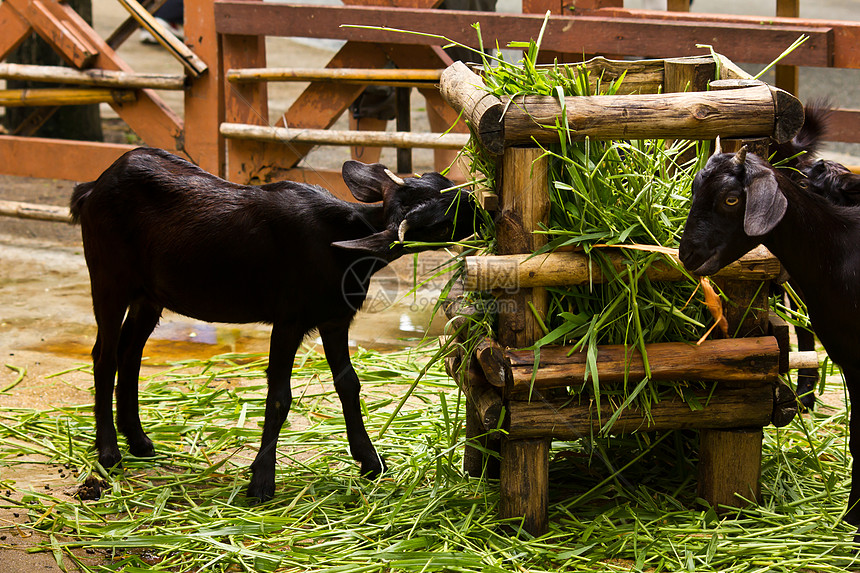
pixel 227 36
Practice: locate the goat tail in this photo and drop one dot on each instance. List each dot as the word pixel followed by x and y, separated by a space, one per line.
pixel 79 195
pixel 803 146
pixel 809 137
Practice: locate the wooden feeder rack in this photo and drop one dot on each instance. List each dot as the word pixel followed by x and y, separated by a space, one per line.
pixel 673 99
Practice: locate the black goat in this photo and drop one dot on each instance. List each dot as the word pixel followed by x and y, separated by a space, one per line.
pixel 154 226
pixel 740 201
pixel 826 178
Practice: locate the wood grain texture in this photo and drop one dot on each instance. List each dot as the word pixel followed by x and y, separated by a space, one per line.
pixel 729 406
pixel 566 268
pixel 737 359
pixel 730 466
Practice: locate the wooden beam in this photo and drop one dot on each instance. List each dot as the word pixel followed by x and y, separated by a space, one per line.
pixel 844 125
pixel 48 20
pixel 57 158
pixel 93 77
pixel 148 116
pixel 15 29
pixel 130 25
pixel 205 96
pixel 569 34
pixel 845 34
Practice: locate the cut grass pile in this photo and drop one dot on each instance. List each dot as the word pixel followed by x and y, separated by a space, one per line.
pixel 628 507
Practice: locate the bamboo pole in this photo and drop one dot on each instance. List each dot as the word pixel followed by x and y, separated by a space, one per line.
pixel 565 268
pixel 342 137
pixel 63 96
pixel 130 25
pixel 360 76
pixel 22 210
pixel 163 36
pixel 92 77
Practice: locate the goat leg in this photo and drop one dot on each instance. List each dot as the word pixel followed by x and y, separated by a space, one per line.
pixel 852 383
pixel 282 352
pixel 139 324
pixel 336 345
pixel 104 370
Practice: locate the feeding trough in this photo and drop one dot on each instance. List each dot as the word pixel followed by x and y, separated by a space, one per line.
pixel 509 388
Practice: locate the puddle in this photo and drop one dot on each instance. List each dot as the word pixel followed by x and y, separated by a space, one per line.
pixel 392 318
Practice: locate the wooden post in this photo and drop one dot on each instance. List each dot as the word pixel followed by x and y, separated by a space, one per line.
pixel 730 466
pixel 524 204
pixel 786 77
pixel 525 483
pixel 404 124
pixel 729 460
pixel 204 110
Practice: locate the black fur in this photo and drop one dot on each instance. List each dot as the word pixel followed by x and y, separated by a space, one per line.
pixel 815 240
pixel 159 232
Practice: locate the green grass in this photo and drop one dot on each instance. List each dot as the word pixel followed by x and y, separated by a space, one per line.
pixel 186 510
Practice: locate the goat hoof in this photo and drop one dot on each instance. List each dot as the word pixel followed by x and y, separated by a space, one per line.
pixel 142 449
pixel 262 488
pixel 111 461
pixel 260 493
pixel 372 470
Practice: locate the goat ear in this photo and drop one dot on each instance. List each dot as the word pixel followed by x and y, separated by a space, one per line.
pixel 766 204
pixel 377 244
pixel 367 183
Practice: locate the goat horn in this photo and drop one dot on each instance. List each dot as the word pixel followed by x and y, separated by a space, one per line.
pixel 395 178
pixel 740 156
pixel 401 231
pixel 717 148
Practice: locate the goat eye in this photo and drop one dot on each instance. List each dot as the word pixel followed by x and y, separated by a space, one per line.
pixel 732 201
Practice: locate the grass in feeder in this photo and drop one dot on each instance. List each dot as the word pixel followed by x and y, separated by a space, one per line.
pixel 626 504
pixel 616 194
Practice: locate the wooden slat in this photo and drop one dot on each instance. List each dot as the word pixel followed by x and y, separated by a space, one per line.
pixel 130 25
pixel 205 98
pixel 50 24
pixel 845 33
pixel 844 125
pixel 745 406
pixel 575 35
pixel 15 29
pixel 69 159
